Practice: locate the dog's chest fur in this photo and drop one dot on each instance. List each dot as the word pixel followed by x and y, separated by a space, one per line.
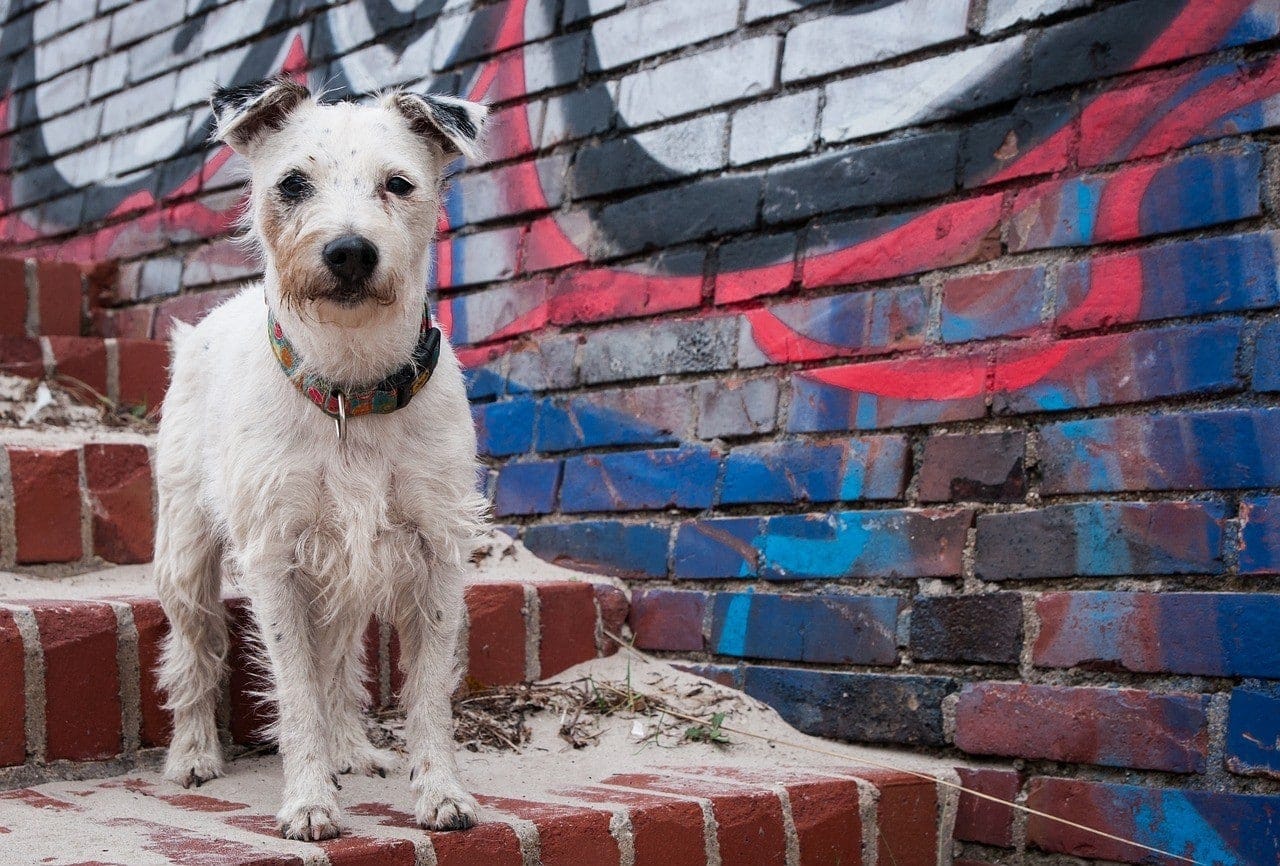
pixel 356 518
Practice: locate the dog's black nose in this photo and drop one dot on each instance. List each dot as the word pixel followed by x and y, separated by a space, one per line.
pixel 351 258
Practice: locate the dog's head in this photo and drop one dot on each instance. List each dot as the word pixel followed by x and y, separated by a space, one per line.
pixel 344 196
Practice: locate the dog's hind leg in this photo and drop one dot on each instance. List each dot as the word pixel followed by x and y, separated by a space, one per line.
pixel 429 619
pixel 344 663
pixel 188 580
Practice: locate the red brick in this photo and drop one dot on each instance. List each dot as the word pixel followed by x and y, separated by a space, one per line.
pixel 364 851
pixel 120 496
pixel 13 298
pixel 20 356
pixel 153 627
pixel 567 618
pixel 81 358
pixel 907 819
pixel 144 372
pixel 61 294
pixel 189 308
pixel 665 831
pixel 131 323
pixel 250 716
pixel 46 502
pixel 490 844
pixel 748 823
pixel 1114 727
pixel 611 603
pixel 981 467
pixel 81 680
pixel 496 635
pixel 824 810
pixel 979 820
pixel 827 821
pixel 567 836
pixel 13 697
pixel 668 619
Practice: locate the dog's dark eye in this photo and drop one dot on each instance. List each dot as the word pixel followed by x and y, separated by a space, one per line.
pixel 397 185
pixel 294 186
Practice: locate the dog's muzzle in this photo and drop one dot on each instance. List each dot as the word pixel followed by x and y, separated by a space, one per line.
pixel 352 260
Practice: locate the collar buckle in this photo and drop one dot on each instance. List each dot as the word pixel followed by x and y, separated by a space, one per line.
pixel 340 419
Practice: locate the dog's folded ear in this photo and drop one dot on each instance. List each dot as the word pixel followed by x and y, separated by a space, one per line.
pixel 245 113
pixel 454 125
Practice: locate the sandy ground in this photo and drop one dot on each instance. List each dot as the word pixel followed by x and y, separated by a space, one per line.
pixel 74 416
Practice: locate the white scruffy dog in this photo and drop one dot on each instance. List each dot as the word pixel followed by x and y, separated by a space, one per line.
pixel 324 521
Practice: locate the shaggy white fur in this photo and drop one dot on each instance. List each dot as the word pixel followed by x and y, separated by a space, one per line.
pixel 318 533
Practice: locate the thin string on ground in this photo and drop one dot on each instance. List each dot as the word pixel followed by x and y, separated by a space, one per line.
pixel 890 767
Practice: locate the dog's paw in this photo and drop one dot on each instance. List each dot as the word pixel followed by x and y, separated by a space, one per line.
pixel 309 822
pixel 444 805
pixel 189 768
pixel 368 760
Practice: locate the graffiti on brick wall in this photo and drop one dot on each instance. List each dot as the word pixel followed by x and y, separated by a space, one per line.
pixel 410 37
pixel 121 176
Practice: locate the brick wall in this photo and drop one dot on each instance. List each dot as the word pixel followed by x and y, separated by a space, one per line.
pixel 915 360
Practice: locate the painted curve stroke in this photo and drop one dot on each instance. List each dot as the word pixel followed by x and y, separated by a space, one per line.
pixel 916 244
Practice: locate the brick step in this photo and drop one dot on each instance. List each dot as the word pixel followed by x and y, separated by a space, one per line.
pixel 47 317
pixel 78 690
pixel 130 372
pixel 77 497
pixel 613 803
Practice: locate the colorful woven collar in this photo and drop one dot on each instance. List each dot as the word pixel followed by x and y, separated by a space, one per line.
pixel 392 393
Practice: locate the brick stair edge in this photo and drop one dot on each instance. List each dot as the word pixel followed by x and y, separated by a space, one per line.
pixel 79 696
pixel 85 504
pixel 693 816
pixel 47 313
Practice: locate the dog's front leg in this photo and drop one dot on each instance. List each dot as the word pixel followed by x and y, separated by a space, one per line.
pixel 310 808
pixel 428 625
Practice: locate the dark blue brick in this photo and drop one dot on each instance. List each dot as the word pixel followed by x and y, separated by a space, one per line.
pixel 1101 539
pixel 904 543
pixel 1219 829
pixel 504 428
pixel 603 546
pixel 1218 634
pixel 1266 358
pixel 681 477
pixel 1184 451
pixel 1260 534
pixel 825 628
pixel 483 383
pixel 991 305
pixel 1253 730
pixel 872 708
pixel 1192 278
pixel 527 488
pixel 725 547
pixel 986 627
pixel 1122 368
pixel 1191 192
pixel 871 468
pixel 590 422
